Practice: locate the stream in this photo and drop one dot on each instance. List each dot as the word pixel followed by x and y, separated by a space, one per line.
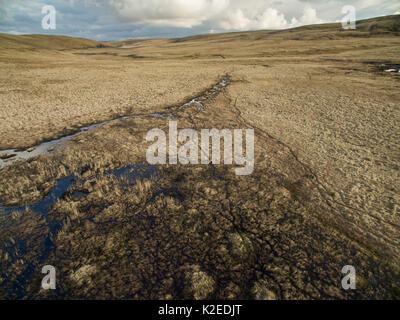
pixel 8 157
pixel 130 173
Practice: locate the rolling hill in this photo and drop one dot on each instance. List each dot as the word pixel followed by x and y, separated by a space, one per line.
pixel 50 42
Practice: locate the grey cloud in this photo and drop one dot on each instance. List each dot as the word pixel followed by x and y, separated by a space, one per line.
pixel 118 19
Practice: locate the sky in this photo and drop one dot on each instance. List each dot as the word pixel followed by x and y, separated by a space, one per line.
pixel 124 19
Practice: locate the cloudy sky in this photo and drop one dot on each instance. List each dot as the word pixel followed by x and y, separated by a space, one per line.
pixel 122 19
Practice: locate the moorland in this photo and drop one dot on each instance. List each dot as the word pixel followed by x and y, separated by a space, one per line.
pixel 324 192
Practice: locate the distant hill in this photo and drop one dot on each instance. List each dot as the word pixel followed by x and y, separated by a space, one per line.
pixel 381 26
pixel 388 26
pixel 322 39
pixel 50 42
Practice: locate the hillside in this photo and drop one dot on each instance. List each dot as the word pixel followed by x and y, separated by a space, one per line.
pixel 380 26
pixel 8 41
pixel 388 26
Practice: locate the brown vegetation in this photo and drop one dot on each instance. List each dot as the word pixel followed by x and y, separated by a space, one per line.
pixel 324 193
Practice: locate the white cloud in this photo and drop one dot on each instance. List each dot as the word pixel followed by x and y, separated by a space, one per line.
pixel 215 14
pixel 239 20
pixel 178 13
pixel 310 17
